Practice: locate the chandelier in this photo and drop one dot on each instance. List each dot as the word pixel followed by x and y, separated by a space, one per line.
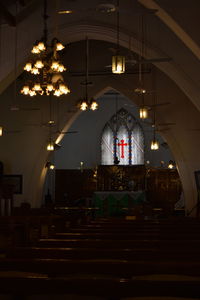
pixel 85 103
pixel 45 67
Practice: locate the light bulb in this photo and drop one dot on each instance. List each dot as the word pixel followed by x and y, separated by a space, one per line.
pixel 35 71
pixel 50 146
pixel 118 64
pixel 83 105
pixel 154 145
pixel 35 50
pixel 25 90
pixel 63 88
pixel 143 113
pixel 59 46
pixel 50 87
pixel 57 93
pixel 170 165
pixel 94 105
pixel 39 64
pixel 1 130
pixel 54 65
pixel 140 91
pixel 61 68
pixel 37 87
pixel 41 46
pixel 32 93
pixel 51 167
pixel 28 67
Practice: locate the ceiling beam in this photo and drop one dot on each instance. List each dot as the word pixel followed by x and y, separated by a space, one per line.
pixel 173 25
pixel 28 9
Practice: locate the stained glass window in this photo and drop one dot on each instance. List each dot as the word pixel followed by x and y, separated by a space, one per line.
pixel 122 140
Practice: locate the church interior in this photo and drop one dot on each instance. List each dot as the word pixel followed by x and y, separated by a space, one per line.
pixel 99 157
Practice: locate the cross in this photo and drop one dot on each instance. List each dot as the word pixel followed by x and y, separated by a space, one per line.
pixel 122 147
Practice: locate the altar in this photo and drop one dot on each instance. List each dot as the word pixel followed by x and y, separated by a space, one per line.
pixel 117 203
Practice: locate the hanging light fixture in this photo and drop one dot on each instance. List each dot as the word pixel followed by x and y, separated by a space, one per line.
pixel 84 103
pixel 45 67
pixel 50 146
pixel 143 109
pixel 118 61
pixel 154 142
pixel 143 113
pixel 140 90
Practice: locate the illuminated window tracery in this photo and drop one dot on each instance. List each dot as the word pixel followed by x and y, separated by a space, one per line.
pixel 122 140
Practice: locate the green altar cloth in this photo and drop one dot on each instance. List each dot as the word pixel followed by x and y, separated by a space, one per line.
pixel 119 203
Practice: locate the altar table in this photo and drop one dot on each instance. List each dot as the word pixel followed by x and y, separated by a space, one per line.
pixel 117 203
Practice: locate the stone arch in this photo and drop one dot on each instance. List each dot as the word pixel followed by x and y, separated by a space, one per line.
pixel 73 32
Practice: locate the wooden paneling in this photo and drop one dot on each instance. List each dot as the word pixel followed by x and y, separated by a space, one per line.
pixel 163 186
pixel 71 185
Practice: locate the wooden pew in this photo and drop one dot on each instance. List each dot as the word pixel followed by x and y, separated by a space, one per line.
pixel 113 268
pixel 110 288
pixel 111 261
pixel 106 243
pixel 175 254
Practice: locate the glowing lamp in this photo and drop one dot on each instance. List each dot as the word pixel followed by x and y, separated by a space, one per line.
pixel 59 46
pixel 41 46
pixel 32 93
pixel 28 67
pixel 83 105
pixel 1 130
pixel 154 145
pixel 94 105
pixel 143 113
pixel 57 93
pixel 171 164
pixel 25 90
pixel 35 71
pixel 55 65
pixel 63 88
pixel 140 91
pixel 118 64
pixel 37 87
pixel 50 87
pixel 35 50
pixel 39 64
pixel 50 146
pixel 61 68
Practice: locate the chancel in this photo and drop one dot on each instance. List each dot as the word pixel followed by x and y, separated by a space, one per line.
pixel 90 209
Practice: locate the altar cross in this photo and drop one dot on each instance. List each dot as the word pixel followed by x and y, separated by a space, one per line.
pixel 122 145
